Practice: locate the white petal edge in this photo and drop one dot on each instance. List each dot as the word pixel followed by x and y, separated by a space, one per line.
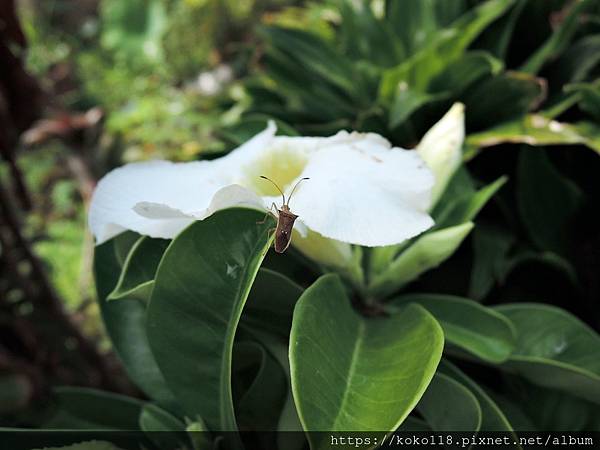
pixel 369 198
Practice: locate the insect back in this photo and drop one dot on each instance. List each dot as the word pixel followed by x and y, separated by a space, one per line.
pixel 285 219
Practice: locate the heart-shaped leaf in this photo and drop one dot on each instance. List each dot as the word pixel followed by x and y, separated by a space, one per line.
pixel 354 373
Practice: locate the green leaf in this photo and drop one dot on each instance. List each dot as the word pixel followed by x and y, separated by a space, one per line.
pixel 85 408
pixel 271 302
pixel 200 290
pixel 492 417
pixel 353 373
pixel 123 244
pixel 427 252
pixel 125 322
pixel 536 130
pixel 449 406
pixel 554 349
pixel 561 38
pixel 479 330
pixel 546 200
pixel 139 268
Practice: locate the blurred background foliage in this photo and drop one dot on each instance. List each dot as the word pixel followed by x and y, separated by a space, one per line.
pixel 190 79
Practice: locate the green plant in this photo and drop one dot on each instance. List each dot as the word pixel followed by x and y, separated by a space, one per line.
pixel 222 335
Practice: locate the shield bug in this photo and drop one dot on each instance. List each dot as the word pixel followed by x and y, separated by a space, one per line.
pixel 285 219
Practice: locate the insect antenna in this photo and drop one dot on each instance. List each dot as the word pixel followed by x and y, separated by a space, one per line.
pixel 295 186
pixel 275 184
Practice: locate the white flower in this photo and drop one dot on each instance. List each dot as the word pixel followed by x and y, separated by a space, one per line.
pixel 441 147
pixel 361 190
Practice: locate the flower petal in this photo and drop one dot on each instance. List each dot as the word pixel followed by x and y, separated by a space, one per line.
pixel 362 192
pixel 165 195
pixel 441 147
pixel 180 186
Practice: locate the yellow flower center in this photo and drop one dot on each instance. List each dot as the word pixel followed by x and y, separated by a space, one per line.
pixel 281 164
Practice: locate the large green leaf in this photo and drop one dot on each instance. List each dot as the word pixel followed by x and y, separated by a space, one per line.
pixel 200 290
pixel 554 349
pixel 125 321
pixel 447 405
pixel 546 200
pixel 85 408
pixel 427 252
pixel 353 373
pixel 492 419
pixel 480 331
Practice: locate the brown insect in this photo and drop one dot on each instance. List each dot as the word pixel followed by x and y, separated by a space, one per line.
pixel 285 219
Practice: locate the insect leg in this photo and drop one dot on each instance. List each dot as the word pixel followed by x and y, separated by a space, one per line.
pixel 269 212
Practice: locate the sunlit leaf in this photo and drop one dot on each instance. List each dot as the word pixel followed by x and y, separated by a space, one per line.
pixel 353 373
